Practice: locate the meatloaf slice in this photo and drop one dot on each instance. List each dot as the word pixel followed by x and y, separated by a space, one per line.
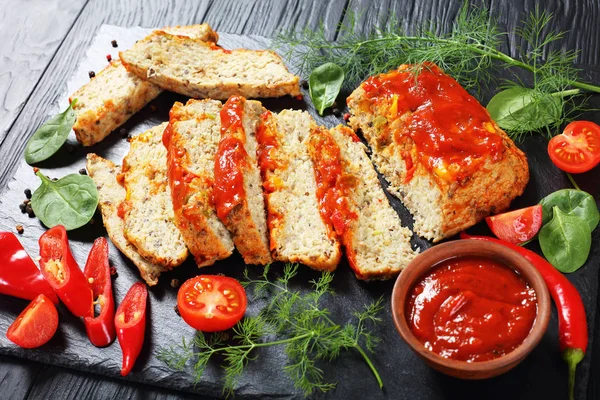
pixel 237 192
pixel 110 195
pixel 297 231
pixel 351 197
pixel 191 139
pixel 147 210
pixel 203 70
pixel 438 148
pixel 113 95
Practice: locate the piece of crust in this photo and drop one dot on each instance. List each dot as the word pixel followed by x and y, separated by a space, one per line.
pixel 203 70
pixel 297 231
pixel 191 139
pixel 147 210
pixel 114 95
pixel 110 195
pixel 237 192
pixel 376 243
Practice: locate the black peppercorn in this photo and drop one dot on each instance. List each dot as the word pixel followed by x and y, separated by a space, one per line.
pixel 82 171
pixel 304 84
pixel 91 74
pixel 27 193
pixel 22 207
pixel 174 283
pixel 114 43
pixel 29 211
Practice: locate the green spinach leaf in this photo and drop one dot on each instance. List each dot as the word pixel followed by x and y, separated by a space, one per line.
pixel 325 83
pixel 519 108
pixel 70 201
pixel 565 241
pixel 51 136
pixel 572 202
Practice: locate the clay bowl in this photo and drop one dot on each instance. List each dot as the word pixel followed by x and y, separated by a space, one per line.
pixel 433 256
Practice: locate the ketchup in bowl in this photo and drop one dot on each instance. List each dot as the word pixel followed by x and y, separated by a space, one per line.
pixel 471 309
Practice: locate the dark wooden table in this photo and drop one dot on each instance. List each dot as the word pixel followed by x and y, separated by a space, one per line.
pixel 42 41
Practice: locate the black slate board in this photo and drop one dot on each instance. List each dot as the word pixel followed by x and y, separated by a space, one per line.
pixel 542 374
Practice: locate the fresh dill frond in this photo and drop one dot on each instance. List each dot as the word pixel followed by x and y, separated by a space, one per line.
pixel 469 53
pixel 294 320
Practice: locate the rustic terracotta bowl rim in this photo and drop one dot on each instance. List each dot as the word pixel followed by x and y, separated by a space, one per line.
pixel 462 248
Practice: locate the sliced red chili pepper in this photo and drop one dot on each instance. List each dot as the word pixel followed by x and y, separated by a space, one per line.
pixel 572 323
pixel 19 276
pixel 130 322
pixel 62 272
pixel 36 325
pixel 101 328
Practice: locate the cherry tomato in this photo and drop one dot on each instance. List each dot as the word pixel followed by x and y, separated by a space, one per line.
pixel 211 303
pixel 36 325
pixel 517 226
pixel 577 149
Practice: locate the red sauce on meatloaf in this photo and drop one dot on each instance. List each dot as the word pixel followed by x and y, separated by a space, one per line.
pixel 471 309
pixel 453 133
pixel 231 159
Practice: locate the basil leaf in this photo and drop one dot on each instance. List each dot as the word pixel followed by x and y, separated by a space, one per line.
pixel 572 202
pixel 522 109
pixel 324 85
pixel 51 136
pixel 565 241
pixel 70 201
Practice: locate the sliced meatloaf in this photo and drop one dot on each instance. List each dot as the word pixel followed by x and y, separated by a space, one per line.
pixel 203 70
pixel 351 198
pixel 110 195
pixel 237 192
pixel 297 231
pixel 113 95
pixel 191 139
pixel 438 148
pixel 147 210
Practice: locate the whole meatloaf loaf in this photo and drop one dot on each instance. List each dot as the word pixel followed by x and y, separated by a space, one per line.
pixel 438 148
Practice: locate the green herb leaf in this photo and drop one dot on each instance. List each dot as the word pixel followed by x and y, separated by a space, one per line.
pixel 51 136
pixel 519 109
pixel 70 201
pixel 572 202
pixel 325 83
pixel 565 241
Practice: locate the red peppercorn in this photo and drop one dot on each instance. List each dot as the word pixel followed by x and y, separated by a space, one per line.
pixel 346 117
pixel 108 57
pixel 299 97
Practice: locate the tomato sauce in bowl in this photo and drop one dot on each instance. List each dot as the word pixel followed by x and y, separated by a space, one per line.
pixel 471 309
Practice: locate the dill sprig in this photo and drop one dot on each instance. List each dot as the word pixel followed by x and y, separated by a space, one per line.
pixel 469 53
pixel 293 320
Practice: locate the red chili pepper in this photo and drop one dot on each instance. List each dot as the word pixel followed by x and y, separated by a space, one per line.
pixel 131 324
pixel 62 272
pixel 19 276
pixel 100 329
pixel 572 324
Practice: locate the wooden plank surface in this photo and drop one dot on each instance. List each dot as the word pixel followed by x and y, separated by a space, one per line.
pixel 31 32
pixel 58 33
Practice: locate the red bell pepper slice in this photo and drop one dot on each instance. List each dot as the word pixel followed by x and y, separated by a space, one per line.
pixel 62 272
pixel 19 276
pixel 100 329
pixel 130 322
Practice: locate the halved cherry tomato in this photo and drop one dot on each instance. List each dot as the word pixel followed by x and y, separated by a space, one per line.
pixel 517 226
pixel 36 325
pixel 577 149
pixel 211 303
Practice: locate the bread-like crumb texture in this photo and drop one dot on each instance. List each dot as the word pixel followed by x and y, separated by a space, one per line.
pixel 376 244
pixel 191 139
pixel 237 193
pixel 114 95
pixel 194 68
pixel 107 101
pixel 147 210
pixel 297 231
pixel 110 195
pixel 442 206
